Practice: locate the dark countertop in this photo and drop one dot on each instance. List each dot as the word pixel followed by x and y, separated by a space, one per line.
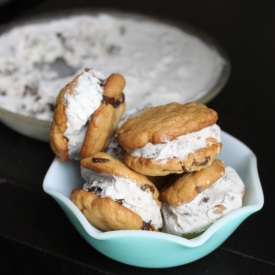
pixel 35 235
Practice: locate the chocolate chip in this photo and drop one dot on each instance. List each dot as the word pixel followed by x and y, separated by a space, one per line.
pixel 120 201
pixel 144 187
pixel 146 226
pixel 63 41
pixel 198 189
pixel 51 106
pixel 113 49
pixel 99 160
pixel 205 199
pixel 95 189
pixel 113 101
pixel 101 82
pixel 205 161
pixel 28 90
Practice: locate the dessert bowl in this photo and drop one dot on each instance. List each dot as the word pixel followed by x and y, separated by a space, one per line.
pixel 156 249
pixel 48 69
pixel 26 125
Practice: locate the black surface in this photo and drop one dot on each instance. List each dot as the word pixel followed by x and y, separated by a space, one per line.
pixel 35 235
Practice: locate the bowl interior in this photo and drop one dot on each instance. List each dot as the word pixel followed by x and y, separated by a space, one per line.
pixel 61 178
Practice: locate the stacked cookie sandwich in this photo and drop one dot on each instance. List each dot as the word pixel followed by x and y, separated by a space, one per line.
pixel 123 159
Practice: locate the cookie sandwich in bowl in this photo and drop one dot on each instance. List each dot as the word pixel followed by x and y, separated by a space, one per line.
pixel 115 197
pixel 87 112
pixel 193 201
pixel 171 138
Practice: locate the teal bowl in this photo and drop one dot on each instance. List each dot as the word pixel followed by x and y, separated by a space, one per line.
pixel 156 249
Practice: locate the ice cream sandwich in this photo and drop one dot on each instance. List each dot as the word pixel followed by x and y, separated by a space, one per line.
pixel 116 198
pixel 171 138
pixel 87 112
pixel 195 200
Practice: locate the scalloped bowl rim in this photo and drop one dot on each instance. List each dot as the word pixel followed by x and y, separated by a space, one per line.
pixel 195 242
pixel 242 213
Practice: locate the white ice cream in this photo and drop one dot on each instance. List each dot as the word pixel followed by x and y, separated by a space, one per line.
pixel 180 146
pixel 81 104
pixel 197 215
pixel 127 193
pixel 114 149
pixel 161 63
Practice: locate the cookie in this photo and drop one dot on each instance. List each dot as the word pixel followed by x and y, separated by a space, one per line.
pixel 188 185
pixel 87 112
pixel 196 200
pixel 105 214
pixel 115 198
pixel 172 138
pixel 106 118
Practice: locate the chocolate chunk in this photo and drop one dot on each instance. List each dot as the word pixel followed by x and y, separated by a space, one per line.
pixel 99 160
pixel 196 163
pixel 205 161
pixel 51 106
pixel 144 187
pixel 101 82
pixel 29 90
pixel 63 41
pixel 95 189
pixel 59 35
pixel 113 49
pixel 113 101
pixel 120 201
pixel 146 226
pixel 186 214
pixel 205 199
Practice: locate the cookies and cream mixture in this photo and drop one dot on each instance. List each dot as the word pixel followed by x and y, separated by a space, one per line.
pixel 81 103
pixel 195 216
pixel 114 197
pixel 86 114
pixel 128 194
pixel 180 146
pixel 170 139
pixel 37 60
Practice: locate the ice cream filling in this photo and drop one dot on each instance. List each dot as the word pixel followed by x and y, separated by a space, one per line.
pixel 127 193
pixel 160 62
pixel 180 146
pixel 195 216
pixel 80 105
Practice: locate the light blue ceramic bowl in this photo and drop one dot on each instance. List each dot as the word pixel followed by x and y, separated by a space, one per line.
pixel 155 249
